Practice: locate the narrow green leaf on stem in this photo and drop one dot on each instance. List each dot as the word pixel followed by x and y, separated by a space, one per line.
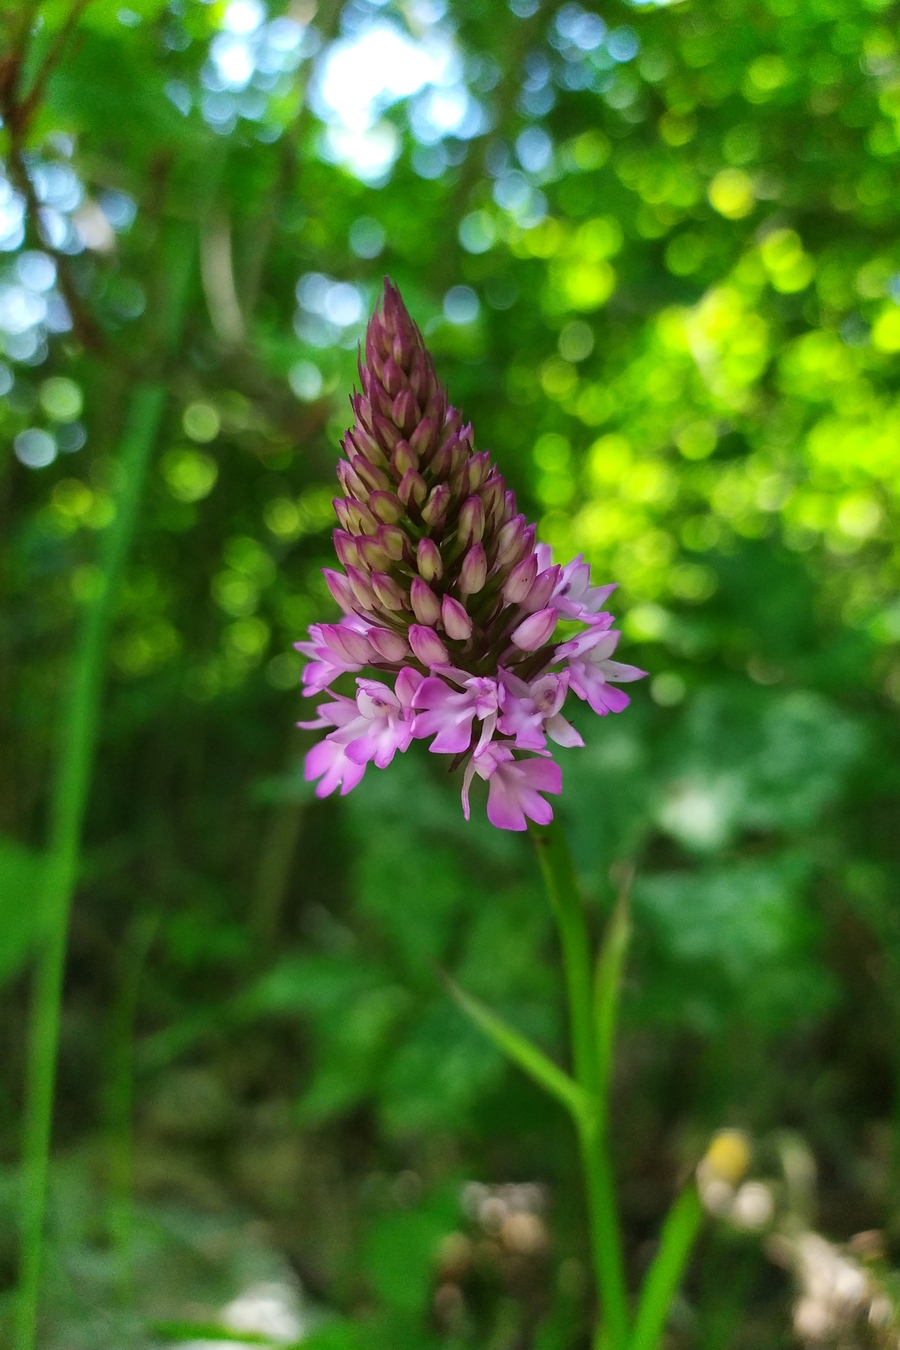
pixel 679 1233
pixel 607 986
pixel 521 1051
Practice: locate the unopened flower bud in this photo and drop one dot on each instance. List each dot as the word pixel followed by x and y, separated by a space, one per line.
pixel 440 462
pixel 473 573
pixel 403 458
pixel 435 508
pixel 425 603
pixel 361 519
pixel 340 588
pixel 520 580
pixel 347 549
pixel 364 444
pixel 372 477
pixel 405 411
pixel 456 621
pixel 479 468
pixel 385 431
pixel 427 646
pixel 403 349
pixel 346 645
pixel 373 555
pixel 388 592
pixel 342 511
pixel 471 521
pixel 350 481
pixel 392 377
pixel 392 539
pixel 413 488
pixel 541 591
pixel 422 438
pixel 510 546
pixel 359 584
pixel 389 646
pixel 429 560
pixel 534 631
pixel 386 507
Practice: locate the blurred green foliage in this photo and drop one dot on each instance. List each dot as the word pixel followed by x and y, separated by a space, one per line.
pixel 654 250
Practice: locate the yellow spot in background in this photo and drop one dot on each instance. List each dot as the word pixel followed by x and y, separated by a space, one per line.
pixel 728 1156
pixel 731 194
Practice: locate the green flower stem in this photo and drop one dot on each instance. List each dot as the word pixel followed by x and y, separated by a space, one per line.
pixel 68 804
pixel 679 1234
pixel 565 900
pixel 606 1242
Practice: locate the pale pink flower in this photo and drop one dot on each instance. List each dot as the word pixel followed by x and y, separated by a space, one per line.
pixel 574 596
pixel 514 787
pixel 384 720
pixel 330 762
pixel 531 712
pixel 592 675
pixel 449 715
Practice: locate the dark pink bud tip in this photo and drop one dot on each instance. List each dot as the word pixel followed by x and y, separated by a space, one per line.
pixel 534 631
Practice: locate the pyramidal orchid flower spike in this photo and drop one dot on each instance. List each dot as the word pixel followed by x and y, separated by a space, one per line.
pixel 449 599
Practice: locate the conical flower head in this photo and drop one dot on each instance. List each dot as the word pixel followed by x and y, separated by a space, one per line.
pixel 445 590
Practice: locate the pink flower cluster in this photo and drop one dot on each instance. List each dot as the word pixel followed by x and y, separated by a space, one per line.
pixel 445 590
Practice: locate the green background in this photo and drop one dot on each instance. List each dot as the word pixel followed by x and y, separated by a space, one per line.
pixel 656 259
